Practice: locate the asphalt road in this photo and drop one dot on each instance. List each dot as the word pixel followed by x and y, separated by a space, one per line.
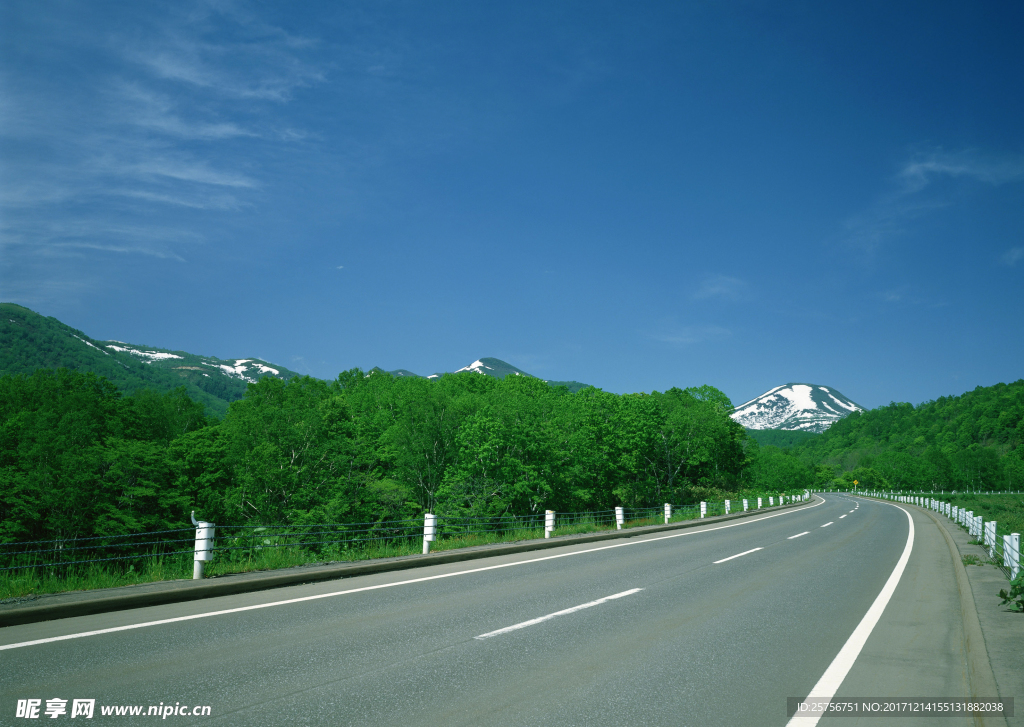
pixel 687 640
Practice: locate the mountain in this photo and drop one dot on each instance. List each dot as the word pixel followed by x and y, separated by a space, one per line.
pixel 498 369
pixel 32 341
pixel 802 407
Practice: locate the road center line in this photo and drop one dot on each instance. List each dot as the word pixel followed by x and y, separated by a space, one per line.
pixel 833 677
pixel 842 516
pixel 827 524
pixel 550 616
pixel 745 552
pixel 332 594
pixel 798 535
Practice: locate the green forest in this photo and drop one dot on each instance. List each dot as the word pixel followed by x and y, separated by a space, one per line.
pixel 968 443
pixel 79 457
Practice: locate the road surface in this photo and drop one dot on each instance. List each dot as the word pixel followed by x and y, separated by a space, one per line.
pixel 709 626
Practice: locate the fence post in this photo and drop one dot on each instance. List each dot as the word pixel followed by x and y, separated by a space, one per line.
pixel 990 538
pixel 745 505
pixel 759 503
pixel 549 522
pixel 620 518
pixel 429 531
pixel 727 503
pixel 1011 553
pixel 771 501
pixel 668 512
pixel 703 509
pixel 205 533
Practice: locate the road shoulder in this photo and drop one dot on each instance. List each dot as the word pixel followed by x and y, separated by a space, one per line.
pixel 1001 629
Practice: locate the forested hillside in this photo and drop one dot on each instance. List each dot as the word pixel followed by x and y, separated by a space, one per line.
pixel 31 341
pixel 967 442
pixel 78 458
pixel 781 438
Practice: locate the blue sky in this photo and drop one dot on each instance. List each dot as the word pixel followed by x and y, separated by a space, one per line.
pixel 633 195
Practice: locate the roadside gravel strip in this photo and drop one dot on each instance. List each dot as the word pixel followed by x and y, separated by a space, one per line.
pixel 84 603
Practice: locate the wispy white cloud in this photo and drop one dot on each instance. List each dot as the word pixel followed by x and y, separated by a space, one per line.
pixel 198 202
pixel 917 194
pixel 925 169
pixel 1013 256
pixel 189 171
pixel 253 60
pixel 156 112
pixel 721 287
pixel 127 157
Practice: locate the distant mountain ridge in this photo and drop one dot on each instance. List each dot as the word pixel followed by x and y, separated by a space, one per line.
pixel 795 407
pixel 495 368
pixel 32 341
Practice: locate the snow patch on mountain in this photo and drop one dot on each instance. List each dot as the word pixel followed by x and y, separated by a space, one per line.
pixel 804 407
pixel 147 356
pixel 477 366
pixel 88 344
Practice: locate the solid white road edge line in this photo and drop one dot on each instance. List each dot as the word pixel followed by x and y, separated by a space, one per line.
pixel 550 616
pixel 302 599
pixel 805 532
pixel 833 677
pixel 745 552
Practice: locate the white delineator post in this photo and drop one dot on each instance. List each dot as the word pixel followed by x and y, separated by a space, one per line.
pixel 549 522
pixel 727 507
pixel 205 533
pixel 990 538
pixel 668 512
pixel 1011 553
pixel 759 503
pixel 429 531
pixel 703 509
pixel 620 518
pixel 771 501
pixel 746 505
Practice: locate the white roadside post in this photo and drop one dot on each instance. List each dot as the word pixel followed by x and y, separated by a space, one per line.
pixel 759 503
pixel 727 503
pixel 205 533
pixel 668 512
pixel 1011 553
pixel 703 509
pixel 429 531
pixel 771 501
pixel 990 538
pixel 620 518
pixel 549 522
pixel 746 505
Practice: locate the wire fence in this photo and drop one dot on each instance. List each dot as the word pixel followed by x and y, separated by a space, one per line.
pixel 327 541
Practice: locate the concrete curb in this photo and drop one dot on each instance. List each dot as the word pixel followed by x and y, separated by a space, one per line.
pixel 981 677
pixel 86 603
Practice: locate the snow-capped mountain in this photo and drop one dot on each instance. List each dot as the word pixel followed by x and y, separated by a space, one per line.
pixel 804 407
